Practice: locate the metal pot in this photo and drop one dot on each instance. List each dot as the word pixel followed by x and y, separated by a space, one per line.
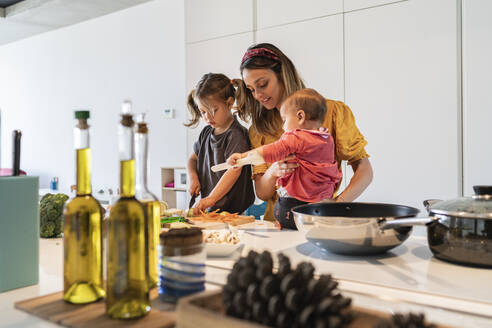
pixel 354 228
pixel 460 230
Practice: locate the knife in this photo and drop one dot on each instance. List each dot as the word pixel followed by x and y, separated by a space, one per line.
pixel 192 201
pixel 16 135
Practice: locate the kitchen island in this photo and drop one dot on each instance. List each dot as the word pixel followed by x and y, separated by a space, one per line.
pixel 407 278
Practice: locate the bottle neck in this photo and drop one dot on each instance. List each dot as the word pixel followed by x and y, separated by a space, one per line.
pixel 127 162
pixel 141 156
pixel 83 160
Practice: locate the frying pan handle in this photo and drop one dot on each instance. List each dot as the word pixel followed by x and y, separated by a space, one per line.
pixel 385 225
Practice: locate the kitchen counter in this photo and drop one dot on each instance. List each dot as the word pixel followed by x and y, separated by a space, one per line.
pixel 406 279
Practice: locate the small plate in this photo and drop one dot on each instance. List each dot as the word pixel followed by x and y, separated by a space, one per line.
pixel 221 250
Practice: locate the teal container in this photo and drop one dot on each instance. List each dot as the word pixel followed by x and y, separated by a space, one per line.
pixel 19 232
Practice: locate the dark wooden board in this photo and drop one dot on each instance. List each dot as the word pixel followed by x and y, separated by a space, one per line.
pixel 52 308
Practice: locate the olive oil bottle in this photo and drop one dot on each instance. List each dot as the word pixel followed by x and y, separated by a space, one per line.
pixel 127 272
pixel 82 230
pixel 150 202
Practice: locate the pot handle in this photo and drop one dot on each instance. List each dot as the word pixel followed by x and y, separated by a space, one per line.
pixel 385 225
pixel 429 202
pixel 482 190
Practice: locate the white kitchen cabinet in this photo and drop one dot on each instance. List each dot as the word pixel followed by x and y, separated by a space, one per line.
pixel 277 12
pixel 477 98
pixel 316 49
pixel 221 55
pixel 349 5
pixel 401 83
pixel 215 18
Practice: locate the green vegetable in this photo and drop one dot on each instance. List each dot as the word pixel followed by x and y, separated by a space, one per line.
pixel 171 219
pixel 50 214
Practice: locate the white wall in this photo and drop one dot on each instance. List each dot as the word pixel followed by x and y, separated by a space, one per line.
pixel 398 73
pixel 401 82
pixel 395 63
pixel 136 54
pixel 477 96
pixel 217 34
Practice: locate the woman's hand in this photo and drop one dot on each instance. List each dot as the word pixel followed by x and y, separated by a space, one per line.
pixel 362 177
pixel 281 168
pixel 195 186
pixel 204 203
pixel 265 184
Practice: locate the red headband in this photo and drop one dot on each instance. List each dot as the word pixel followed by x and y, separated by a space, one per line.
pixel 260 52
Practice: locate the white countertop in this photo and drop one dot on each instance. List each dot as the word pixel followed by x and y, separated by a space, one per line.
pixel 406 279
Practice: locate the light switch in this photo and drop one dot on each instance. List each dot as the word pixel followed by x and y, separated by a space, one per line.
pixel 168 113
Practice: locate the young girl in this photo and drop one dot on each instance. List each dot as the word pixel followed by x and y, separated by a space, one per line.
pixel 231 190
pixel 317 175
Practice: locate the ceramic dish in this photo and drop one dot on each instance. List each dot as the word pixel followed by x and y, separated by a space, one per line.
pixel 221 250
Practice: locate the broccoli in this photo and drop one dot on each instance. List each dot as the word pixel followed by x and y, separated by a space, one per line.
pixel 50 214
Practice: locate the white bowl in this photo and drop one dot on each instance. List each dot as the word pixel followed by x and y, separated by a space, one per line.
pixel 221 250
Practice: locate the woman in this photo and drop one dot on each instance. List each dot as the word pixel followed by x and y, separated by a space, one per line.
pixel 269 77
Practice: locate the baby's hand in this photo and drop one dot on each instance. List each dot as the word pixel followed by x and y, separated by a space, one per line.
pixel 232 160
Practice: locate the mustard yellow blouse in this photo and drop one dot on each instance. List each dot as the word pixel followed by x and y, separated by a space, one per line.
pixel 340 122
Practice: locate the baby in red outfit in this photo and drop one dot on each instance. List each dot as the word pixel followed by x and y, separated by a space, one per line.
pixel 317 176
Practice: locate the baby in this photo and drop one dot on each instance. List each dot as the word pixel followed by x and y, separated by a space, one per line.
pixel 317 176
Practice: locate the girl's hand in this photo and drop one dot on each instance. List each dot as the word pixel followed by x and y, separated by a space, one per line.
pixel 204 203
pixel 232 160
pixel 277 224
pixel 195 186
pixel 281 168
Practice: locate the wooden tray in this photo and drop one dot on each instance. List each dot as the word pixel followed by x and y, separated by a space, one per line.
pixel 51 307
pixel 240 220
pixel 205 310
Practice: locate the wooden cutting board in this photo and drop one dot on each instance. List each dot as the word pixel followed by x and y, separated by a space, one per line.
pixel 205 310
pixel 240 220
pixel 51 307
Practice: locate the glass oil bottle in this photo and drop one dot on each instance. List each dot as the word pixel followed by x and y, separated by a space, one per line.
pixel 150 202
pixel 83 228
pixel 127 271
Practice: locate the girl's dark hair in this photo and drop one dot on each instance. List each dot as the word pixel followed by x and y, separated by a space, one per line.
pixel 264 121
pixel 216 85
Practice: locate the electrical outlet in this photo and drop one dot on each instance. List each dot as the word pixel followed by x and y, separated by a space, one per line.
pixel 168 113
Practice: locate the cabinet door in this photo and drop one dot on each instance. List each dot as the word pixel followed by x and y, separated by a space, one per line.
pixel 216 18
pixel 221 55
pixel 349 5
pixel 277 12
pixel 477 98
pixel 401 83
pixel 316 49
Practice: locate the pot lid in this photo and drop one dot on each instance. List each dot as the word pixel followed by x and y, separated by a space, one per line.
pixel 479 206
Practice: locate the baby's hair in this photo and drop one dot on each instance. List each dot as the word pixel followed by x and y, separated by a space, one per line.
pixel 311 102
pixel 217 85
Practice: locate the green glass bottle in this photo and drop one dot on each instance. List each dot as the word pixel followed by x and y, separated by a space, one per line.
pixel 127 272
pixel 150 202
pixel 82 229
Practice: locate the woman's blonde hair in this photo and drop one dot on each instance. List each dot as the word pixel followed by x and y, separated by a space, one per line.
pixel 264 121
pixel 215 85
